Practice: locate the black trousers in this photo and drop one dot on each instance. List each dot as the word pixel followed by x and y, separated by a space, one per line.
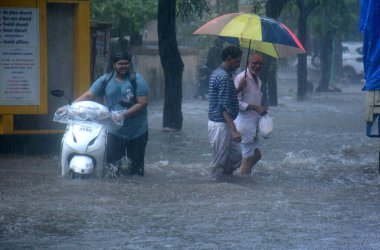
pixel 134 149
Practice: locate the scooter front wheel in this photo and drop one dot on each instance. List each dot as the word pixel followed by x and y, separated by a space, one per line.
pixel 71 175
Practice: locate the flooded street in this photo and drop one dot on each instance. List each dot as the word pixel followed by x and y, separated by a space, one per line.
pixel 316 187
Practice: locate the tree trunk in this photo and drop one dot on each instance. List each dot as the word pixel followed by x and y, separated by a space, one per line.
pixel 269 88
pixel 305 8
pixel 136 39
pixel 302 62
pixel 269 82
pixel 338 58
pixel 171 63
pixel 264 86
pixel 326 56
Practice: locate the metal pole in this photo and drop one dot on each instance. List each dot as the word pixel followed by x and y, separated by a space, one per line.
pixel 249 51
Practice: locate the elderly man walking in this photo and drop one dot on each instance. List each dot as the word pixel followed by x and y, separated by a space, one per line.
pixel 249 114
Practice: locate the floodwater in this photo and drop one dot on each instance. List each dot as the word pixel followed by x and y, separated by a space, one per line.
pixel 316 187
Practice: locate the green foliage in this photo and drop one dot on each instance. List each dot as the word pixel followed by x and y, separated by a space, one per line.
pixel 187 8
pixel 258 6
pixel 191 15
pixel 341 18
pixel 226 6
pixel 127 17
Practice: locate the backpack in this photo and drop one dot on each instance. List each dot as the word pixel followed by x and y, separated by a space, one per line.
pixel 132 78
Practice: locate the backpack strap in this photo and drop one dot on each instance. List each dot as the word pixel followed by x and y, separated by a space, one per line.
pixel 132 78
pixel 106 80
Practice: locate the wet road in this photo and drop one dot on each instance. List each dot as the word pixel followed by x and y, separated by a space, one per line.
pixel 317 187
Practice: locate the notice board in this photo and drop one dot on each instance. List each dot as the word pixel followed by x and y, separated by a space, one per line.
pixel 19 56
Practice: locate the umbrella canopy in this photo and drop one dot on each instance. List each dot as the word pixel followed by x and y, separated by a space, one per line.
pixel 263 34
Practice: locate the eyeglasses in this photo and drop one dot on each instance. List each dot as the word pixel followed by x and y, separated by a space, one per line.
pixel 257 63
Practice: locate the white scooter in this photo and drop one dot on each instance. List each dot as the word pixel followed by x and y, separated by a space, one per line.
pixel 84 142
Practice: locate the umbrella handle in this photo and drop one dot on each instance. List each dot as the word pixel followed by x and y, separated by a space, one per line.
pixel 246 64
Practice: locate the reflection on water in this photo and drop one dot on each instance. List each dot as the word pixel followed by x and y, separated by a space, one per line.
pixel 317 187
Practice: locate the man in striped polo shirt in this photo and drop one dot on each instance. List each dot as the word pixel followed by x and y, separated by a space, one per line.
pixel 223 109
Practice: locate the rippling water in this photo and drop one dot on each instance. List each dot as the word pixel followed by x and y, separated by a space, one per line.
pixel 316 187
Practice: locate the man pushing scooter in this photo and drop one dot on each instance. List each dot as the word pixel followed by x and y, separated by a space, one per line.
pixel 126 91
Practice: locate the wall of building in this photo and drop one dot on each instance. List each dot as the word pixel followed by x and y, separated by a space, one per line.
pixel 147 62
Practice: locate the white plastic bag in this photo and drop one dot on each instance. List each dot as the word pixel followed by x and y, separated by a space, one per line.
pixel 90 111
pixel 266 126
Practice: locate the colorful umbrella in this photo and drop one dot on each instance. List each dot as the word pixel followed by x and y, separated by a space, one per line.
pixel 263 34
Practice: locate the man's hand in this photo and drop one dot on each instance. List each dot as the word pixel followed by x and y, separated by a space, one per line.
pixel 242 85
pixel 236 137
pixel 118 117
pixel 261 110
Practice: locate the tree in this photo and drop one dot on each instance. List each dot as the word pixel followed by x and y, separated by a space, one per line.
pixel 170 57
pixel 332 20
pixel 226 6
pixel 127 17
pixel 171 63
pixel 269 88
pixel 305 8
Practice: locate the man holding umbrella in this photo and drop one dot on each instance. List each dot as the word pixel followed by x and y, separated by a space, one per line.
pixel 247 30
pixel 250 112
pixel 223 109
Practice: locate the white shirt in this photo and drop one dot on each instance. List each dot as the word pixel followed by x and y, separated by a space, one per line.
pixel 247 120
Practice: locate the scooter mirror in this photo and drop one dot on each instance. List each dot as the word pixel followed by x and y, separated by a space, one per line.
pixel 60 93
pixel 57 92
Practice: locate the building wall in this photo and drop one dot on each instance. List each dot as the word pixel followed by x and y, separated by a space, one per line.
pixel 147 62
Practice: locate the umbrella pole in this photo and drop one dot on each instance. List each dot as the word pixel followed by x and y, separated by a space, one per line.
pixel 246 64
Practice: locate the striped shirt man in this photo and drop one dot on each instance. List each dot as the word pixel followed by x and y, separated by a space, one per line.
pixel 222 95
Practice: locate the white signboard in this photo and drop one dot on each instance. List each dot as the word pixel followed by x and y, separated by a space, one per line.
pixel 19 56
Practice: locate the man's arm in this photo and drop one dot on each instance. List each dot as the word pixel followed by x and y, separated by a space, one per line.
pixel 235 134
pixel 242 104
pixel 142 102
pixel 241 85
pixel 86 96
pixel 259 109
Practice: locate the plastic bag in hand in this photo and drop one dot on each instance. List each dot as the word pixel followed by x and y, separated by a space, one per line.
pixel 266 126
pixel 118 117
